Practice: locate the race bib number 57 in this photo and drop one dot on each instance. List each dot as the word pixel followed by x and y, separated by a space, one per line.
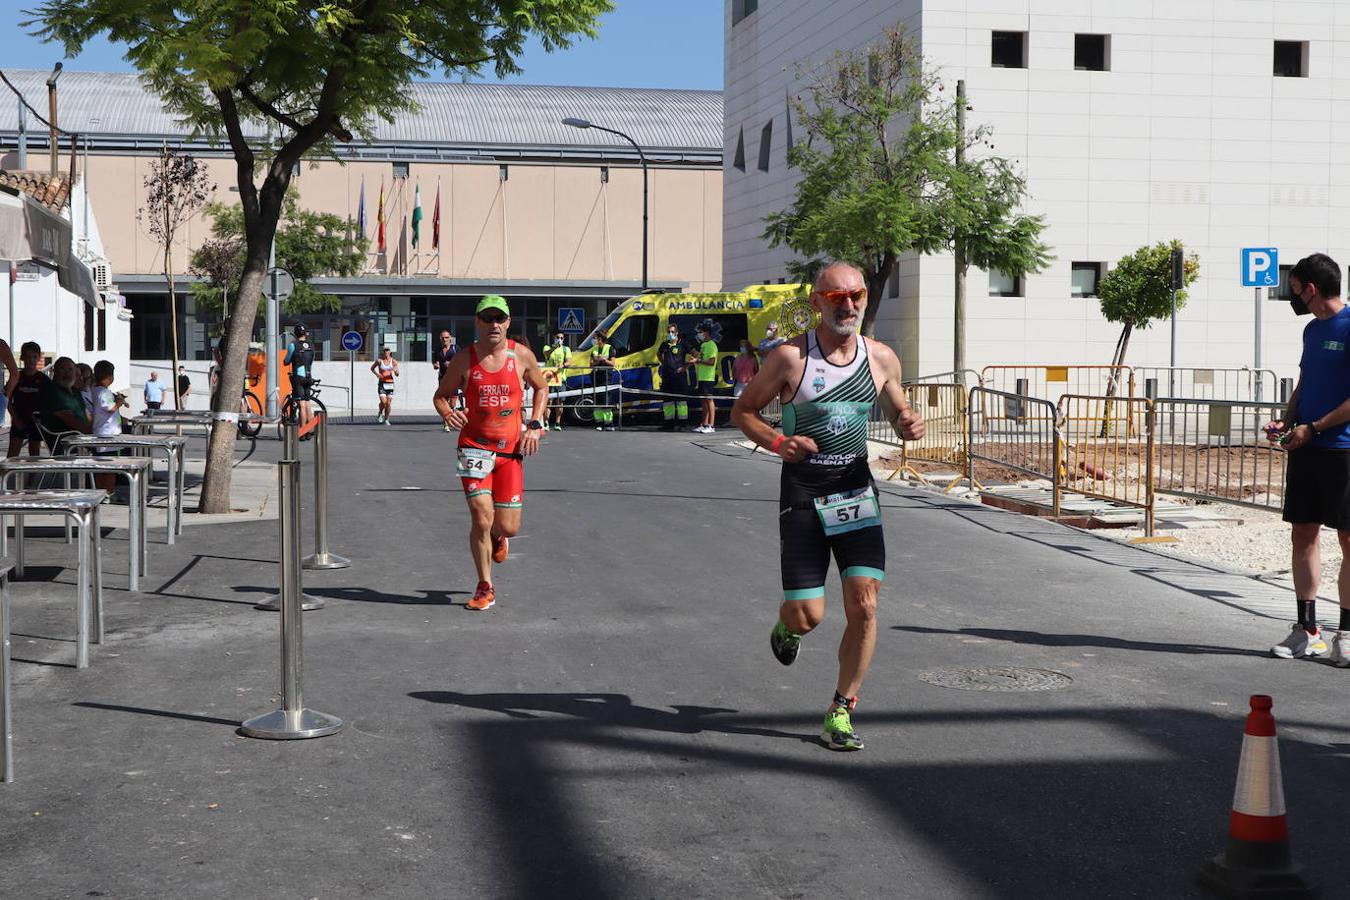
pixel 842 513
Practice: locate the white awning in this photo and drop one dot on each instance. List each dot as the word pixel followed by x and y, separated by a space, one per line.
pixel 28 230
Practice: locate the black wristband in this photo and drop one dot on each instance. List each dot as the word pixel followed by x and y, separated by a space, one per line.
pixel 1312 426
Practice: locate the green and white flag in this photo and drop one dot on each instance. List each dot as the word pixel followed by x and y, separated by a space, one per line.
pixel 417 215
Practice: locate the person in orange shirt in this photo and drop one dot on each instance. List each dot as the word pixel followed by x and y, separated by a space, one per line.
pixel 492 443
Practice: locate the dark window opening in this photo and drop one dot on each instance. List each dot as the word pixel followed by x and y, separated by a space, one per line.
pixel 765 145
pixel 1003 285
pixel 1291 59
pixel 1083 279
pixel 635 334
pixel 88 327
pixel 1092 52
pixel 893 282
pixel 1009 50
pixel 742 8
pixel 738 160
pixel 400 170
pixel 103 329
pixel 1281 291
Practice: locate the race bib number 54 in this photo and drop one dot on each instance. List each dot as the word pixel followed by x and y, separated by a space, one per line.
pixel 842 513
pixel 470 462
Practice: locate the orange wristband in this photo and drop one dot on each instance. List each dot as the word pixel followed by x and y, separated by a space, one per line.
pixel 777 443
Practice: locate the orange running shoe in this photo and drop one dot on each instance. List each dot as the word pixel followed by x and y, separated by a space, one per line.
pixel 483 598
pixel 501 548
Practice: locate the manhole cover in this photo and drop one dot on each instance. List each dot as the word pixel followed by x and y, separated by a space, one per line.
pixel 998 678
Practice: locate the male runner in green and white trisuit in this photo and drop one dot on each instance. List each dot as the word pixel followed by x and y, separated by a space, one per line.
pixel 827 380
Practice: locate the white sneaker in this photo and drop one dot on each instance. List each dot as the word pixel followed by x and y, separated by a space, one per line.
pixel 697 429
pixel 1300 643
pixel 379 418
pixel 708 429
pixel 1340 649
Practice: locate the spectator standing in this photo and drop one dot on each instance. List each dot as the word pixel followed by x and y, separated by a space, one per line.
pixel 555 358
pixel 11 377
pixel 602 357
pixel 25 391
pixel 107 420
pixel 1315 430
pixel 674 372
pixel 184 387
pixel 771 338
pixel 154 392
pixel 744 368
pixel 706 369
pixel 441 355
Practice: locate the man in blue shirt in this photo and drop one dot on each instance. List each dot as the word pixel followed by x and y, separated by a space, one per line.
pixel 154 392
pixel 1315 430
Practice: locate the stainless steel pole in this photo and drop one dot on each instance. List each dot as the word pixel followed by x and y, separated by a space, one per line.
pixel 272 337
pixel 1172 368
pixel 6 748
pixel 293 721
pixel 322 558
pixel 1257 373
pixel 290 442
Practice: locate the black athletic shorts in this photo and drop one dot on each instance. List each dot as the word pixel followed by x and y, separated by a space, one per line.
pixel 805 553
pixel 300 388
pixel 705 388
pixel 1317 488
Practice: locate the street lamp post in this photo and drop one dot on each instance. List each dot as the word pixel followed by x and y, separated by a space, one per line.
pixel 586 123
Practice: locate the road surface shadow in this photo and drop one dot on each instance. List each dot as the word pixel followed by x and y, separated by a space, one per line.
pixel 1043 639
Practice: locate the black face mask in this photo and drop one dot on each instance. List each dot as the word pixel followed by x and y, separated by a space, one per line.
pixel 1299 306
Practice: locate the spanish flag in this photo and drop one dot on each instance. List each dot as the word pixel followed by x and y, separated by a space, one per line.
pixel 380 244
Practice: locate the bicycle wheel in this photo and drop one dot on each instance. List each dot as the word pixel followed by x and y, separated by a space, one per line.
pixel 249 405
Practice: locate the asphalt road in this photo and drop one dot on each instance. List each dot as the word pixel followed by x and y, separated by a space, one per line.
pixel 616 726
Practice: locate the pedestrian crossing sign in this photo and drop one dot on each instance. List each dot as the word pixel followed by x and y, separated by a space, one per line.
pixel 572 320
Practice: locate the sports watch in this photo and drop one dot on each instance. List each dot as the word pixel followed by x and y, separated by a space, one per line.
pixel 534 425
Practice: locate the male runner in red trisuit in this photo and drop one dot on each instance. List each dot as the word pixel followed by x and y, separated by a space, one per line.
pixel 491 442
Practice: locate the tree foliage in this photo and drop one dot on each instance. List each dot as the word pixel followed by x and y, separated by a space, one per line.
pixel 309 245
pixel 309 73
pixel 1138 291
pixel 881 175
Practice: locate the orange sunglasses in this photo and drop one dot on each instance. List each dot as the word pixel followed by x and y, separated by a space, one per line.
pixel 837 297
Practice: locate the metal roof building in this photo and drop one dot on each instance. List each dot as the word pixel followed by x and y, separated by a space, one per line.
pixel 115 111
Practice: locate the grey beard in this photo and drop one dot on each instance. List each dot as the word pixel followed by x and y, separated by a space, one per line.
pixel 841 329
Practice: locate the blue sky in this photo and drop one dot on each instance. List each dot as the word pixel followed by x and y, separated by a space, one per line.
pixel 688 34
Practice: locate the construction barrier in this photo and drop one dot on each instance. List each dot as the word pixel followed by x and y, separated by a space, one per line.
pixel 963 377
pixel 1207 384
pixel 1217 450
pixel 946 439
pixel 1113 462
pixel 1049 382
pixel 1029 443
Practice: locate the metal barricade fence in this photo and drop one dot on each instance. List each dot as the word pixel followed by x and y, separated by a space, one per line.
pixel 1051 382
pixel 963 377
pixel 1217 450
pixel 1207 384
pixel 1112 463
pixel 584 392
pixel 946 438
pixel 1029 443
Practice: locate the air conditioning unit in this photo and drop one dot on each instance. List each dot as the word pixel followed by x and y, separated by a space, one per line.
pixel 102 275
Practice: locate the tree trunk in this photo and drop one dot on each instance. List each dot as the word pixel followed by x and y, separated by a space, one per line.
pixel 959 309
pixel 1112 382
pixel 238 330
pixel 876 290
pixel 173 330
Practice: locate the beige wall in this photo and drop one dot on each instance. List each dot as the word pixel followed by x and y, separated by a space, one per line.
pixel 546 222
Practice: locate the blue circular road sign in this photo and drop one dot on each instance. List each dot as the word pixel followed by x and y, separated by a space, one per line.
pixel 351 340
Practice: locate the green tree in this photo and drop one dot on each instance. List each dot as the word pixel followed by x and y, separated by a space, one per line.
pixel 1138 291
pixel 884 173
pixel 313 72
pixel 309 245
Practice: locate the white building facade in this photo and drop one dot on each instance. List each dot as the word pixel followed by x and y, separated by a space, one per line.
pixel 1208 121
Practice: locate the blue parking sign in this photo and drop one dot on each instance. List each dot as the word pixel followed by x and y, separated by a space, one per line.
pixel 1260 267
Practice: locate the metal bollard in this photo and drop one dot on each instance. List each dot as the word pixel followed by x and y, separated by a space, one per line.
pixel 322 558
pixel 290 433
pixel 6 737
pixel 292 721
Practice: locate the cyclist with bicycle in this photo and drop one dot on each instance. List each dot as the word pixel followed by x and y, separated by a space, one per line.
pixel 300 357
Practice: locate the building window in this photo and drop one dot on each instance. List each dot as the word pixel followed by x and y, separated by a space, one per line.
pixel 742 8
pixel 1092 52
pixel 400 170
pixel 503 172
pixel 1281 291
pixel 604 174
pixel 1010 50
pixel 893 282
pixel 1001 285
pixel 103 329
pixel 88 327
pixel 1291 59
pixel 1083 278
pixel 738 160
pixel 765 145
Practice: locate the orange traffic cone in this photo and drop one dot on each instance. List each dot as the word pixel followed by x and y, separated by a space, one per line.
pixel 1257 862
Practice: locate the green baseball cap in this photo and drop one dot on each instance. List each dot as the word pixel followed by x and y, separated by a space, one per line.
pixel 493 301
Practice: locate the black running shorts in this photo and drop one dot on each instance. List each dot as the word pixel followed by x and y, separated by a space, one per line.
pixel 805 553
pixel 1317 488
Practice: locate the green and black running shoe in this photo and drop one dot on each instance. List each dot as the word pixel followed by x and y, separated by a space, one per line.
pixel 784 644
pixel 837 732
